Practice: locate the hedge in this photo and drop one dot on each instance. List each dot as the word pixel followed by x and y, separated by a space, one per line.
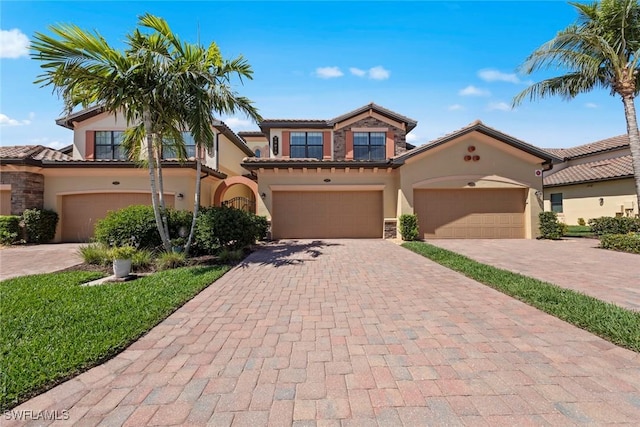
pixel 550 227
pixel 614 225
pixel 39 225
pixel 219 228
pixel 621 242
pixel 409 227
pixel 9 229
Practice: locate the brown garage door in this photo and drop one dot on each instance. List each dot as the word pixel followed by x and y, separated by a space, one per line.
pixel 81 211
pixel 327 214
pixel 470 213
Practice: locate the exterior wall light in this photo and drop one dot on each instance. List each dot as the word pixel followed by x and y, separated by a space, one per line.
pixel 601 201
pixel 263 195
pixel 180 196
pixel 116 183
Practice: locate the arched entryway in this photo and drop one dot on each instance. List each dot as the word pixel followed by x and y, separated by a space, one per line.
pixel 238 192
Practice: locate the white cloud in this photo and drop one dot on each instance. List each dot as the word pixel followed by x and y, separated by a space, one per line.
pixel 411 138
pixel 490 75
pixel 499 106
pixel 473 91
pixel 328 72
pixel 455 107
pixel 237 123
pixel 8 121
pixel 357 72
pixel 591 105
pixel 13 44
pixel 379 73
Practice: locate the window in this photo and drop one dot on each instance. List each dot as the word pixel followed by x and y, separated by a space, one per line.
pixel 108 145
pixel 556 202
pixel 189 146
pixel 369 145
pixel 306 145
pixel 258 153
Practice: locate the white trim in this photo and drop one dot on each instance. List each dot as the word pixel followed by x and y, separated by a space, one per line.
pixel 5 187
pixel 328 187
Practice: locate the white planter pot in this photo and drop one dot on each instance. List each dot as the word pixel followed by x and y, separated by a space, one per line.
pixel 121 268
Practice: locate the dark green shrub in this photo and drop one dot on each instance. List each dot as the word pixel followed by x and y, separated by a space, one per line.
pixel 261 226
pixel 409 227
pixel 621 242
pixel 550 227
pixel 614 225
pixel 581 222
pixel 39 225
pixel 180 224
pixel 9 229
pixel 134 225
pixel 220 228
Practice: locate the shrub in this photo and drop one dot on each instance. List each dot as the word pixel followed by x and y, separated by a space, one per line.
pixel 95 254
pixel 409 227
pixel 9 229
pixel 229 257
pixel 261 226
pixel 581 222
pixel 614 225
pixel 621 242
pixel 168 260
pixel 133 225
pixel 142 259
pixel 223 227
pixel 180 224
pixel 122 252
pixel 39 225
pixel 550 227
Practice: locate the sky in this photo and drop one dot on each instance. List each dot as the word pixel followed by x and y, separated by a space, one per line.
pixel 444 64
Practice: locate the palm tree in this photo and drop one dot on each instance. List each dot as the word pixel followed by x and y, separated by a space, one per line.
pixel 601 50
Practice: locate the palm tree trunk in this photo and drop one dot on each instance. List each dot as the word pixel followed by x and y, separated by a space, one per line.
pixel 163 205
pixel 146 117
pixel 634 142
pixel 196 206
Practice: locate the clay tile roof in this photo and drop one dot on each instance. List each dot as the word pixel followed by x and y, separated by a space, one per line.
pixel 609 144
pixel 244 133
pixel 34 152
pixel 618 167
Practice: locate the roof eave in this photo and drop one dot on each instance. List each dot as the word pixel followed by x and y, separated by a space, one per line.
pixel 317 164
pixel 586 181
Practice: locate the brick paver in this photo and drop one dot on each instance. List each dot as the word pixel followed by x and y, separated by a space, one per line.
pixel 354 333
pixel 576 264
pixel 22 260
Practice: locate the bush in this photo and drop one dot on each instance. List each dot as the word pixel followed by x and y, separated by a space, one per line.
pixel 142 259
pixel 550 227
pixel 218 228
pixel 122 252
pixel 409 227
pixel 261 226
pixel 39 225
pixel 230 257
pixel 581 222
pixel 614 225
pixel 9 229
pixel 95 254
pixel 621 242
pixel 169 260
pixel 134 225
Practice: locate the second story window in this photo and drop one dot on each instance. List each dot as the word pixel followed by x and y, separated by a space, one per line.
pixel 369 145
pixel 306 145
pixel 108 145
pixel 189 146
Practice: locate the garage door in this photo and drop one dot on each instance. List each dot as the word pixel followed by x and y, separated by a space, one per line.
pixel 327 214
pixel 471 213
pixel 81 211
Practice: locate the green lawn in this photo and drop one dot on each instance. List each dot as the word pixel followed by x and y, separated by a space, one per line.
pixel 615 324
pixel 53 328
pixel 579 231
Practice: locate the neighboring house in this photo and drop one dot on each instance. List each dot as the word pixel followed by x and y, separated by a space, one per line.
pixel 354 175
pixel 86 181
pixel 593 180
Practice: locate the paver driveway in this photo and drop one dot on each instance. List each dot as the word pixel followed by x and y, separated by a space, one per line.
pixel 576 264
pixel 23 260
pixel 354 332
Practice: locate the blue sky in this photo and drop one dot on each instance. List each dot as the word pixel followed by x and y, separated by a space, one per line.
pixel 444 64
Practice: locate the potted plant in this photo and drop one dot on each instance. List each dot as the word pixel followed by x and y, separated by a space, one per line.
pixel 122 256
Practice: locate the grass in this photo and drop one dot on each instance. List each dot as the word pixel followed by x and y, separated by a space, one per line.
pixel 579 231
pixel 53 328
pixel 615 324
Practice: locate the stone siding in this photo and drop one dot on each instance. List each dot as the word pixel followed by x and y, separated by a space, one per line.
pixel 27 190
pixel 390 229
pixel 339 139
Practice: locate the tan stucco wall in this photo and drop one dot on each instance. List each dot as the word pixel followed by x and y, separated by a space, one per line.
pixel 60 182
pixel 499 166
pixel 230 157
pixel 238 190
pixel 312 179
pixel 258 142
pixel 583 200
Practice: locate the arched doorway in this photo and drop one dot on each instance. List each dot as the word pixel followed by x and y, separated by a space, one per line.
pixel 237 192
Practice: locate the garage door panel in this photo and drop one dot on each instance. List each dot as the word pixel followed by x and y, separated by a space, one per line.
pixel 327 214
pixel 80 212
pixel 470 213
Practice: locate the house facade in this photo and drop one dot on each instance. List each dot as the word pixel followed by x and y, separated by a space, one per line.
pixel 354 175
pixel 94 177
pixel 594 180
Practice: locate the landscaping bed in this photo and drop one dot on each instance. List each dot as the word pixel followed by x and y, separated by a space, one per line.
pixel 53 328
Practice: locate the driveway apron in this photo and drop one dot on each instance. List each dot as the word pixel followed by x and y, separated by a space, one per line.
pixel 22 260
pixel 354 332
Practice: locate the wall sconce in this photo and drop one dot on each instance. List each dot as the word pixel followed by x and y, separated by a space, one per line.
pixel 263 195
pixel 116 182
pixel 601 201
pixel 471 184
pixel 538 193
pixel 327 180
pixel 180 196
pixel 275 144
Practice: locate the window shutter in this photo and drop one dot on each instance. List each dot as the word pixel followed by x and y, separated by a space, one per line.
pixel 89 145
pixel 391 145
pixel 348 136
pixel 286 143
pixel 326 145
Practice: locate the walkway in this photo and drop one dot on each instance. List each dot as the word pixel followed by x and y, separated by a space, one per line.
pixel 22 260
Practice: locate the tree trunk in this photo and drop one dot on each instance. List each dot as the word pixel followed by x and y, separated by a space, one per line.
pixel 634 142
pixel 146 117
pixel 196 206
pixel 163 205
